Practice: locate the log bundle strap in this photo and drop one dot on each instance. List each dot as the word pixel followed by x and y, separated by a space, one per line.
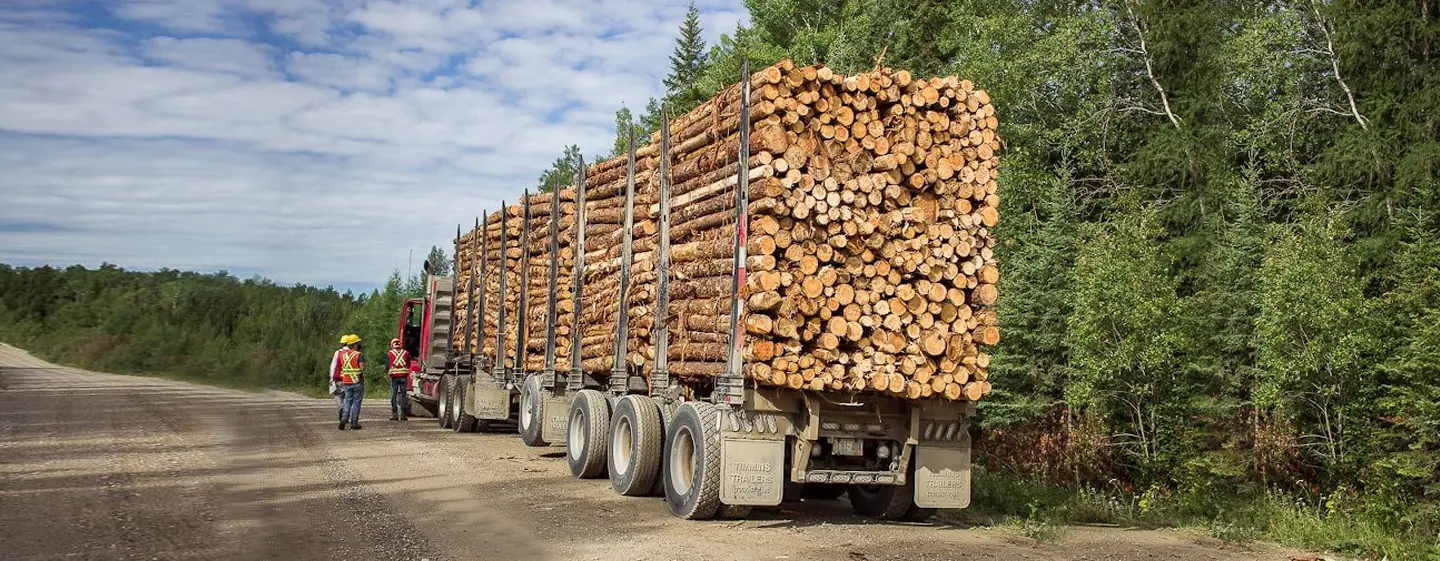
pixel 869 246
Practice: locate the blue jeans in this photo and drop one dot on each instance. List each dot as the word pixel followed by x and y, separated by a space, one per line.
pixel 398 403
pixel 351 410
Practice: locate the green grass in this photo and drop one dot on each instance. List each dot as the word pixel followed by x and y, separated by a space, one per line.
pixel 1365 526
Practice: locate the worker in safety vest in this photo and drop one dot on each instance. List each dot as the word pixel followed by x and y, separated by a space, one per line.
pixel 332 375
pixel 398 360
pixel 351 376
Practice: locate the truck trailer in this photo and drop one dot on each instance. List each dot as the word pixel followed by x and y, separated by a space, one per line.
pixel 713 447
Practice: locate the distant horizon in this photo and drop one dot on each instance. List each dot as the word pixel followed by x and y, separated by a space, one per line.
pixel 239 273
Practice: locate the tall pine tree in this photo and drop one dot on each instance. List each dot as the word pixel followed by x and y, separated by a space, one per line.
pixel 682 90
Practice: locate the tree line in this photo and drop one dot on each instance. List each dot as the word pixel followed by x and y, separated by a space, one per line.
pixel 1220 234
pixel 213 328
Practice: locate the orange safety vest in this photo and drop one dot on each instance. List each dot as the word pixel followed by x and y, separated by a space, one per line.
pixel 350 371
pixel 399 363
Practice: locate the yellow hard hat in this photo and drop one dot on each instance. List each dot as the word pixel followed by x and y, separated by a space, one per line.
pixel 349 339
pixel 345 339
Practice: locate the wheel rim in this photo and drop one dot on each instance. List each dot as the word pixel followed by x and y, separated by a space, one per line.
pixel 867 491
pixel 444 402
pixel 682 461
pixel 576 443
pixel 620 445
pixel 526 402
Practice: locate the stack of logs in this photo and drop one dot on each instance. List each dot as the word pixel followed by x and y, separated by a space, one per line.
pixel 870 250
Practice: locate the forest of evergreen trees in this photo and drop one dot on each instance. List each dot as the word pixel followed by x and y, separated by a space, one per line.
pixel 1220 248
pixel 1220 235
pixel 212 328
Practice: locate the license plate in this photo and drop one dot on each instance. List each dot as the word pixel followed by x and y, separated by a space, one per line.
pixel 847 446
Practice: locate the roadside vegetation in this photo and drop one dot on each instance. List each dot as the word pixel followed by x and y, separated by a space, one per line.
pixel 211 328
pixel 1342 521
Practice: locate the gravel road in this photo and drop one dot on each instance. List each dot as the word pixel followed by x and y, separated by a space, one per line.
pixel 102 466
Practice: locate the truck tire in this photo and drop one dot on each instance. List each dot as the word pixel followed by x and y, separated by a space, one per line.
pixel 889 502
pixel 692 462
pixel 531 409
pixel 917 514
pixel 885 502
pixel 464 421
pixel 733 512
pixel 822 491
pixel 667 413
pixel 635 445
pixel 443 402
pixel 589 433
pixel 794 492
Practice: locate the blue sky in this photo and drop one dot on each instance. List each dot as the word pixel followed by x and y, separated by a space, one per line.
pixel 305 140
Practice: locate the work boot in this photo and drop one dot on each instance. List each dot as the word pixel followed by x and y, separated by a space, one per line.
pixel 393 417
pixel 342 424
pixel 355 426
pixel 404 417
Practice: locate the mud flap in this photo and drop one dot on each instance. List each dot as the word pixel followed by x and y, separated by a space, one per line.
pixel 942 476
pixel 555 420
pixel 752 472
pixel 489 403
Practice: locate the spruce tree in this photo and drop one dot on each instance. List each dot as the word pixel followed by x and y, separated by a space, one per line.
pixel 686 65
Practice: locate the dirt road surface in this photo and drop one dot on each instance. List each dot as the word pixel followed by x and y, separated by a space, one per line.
pixel 102 466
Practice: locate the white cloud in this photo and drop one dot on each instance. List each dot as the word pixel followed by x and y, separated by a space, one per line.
pixel 369 128
pixel 185 15
pixel 339 71
pixel 214 55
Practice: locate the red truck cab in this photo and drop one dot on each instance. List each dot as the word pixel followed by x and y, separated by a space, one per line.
pixel 424 331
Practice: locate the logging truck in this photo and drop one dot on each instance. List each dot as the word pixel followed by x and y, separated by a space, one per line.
pixel 522 334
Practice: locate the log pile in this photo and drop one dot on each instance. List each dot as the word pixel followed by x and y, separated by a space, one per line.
pixel 870 251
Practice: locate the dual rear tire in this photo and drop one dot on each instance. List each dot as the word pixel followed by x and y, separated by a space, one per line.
pixel 627 443
pixel 639 450
pixel 463 421
pixel 636 437
pixel 588 434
